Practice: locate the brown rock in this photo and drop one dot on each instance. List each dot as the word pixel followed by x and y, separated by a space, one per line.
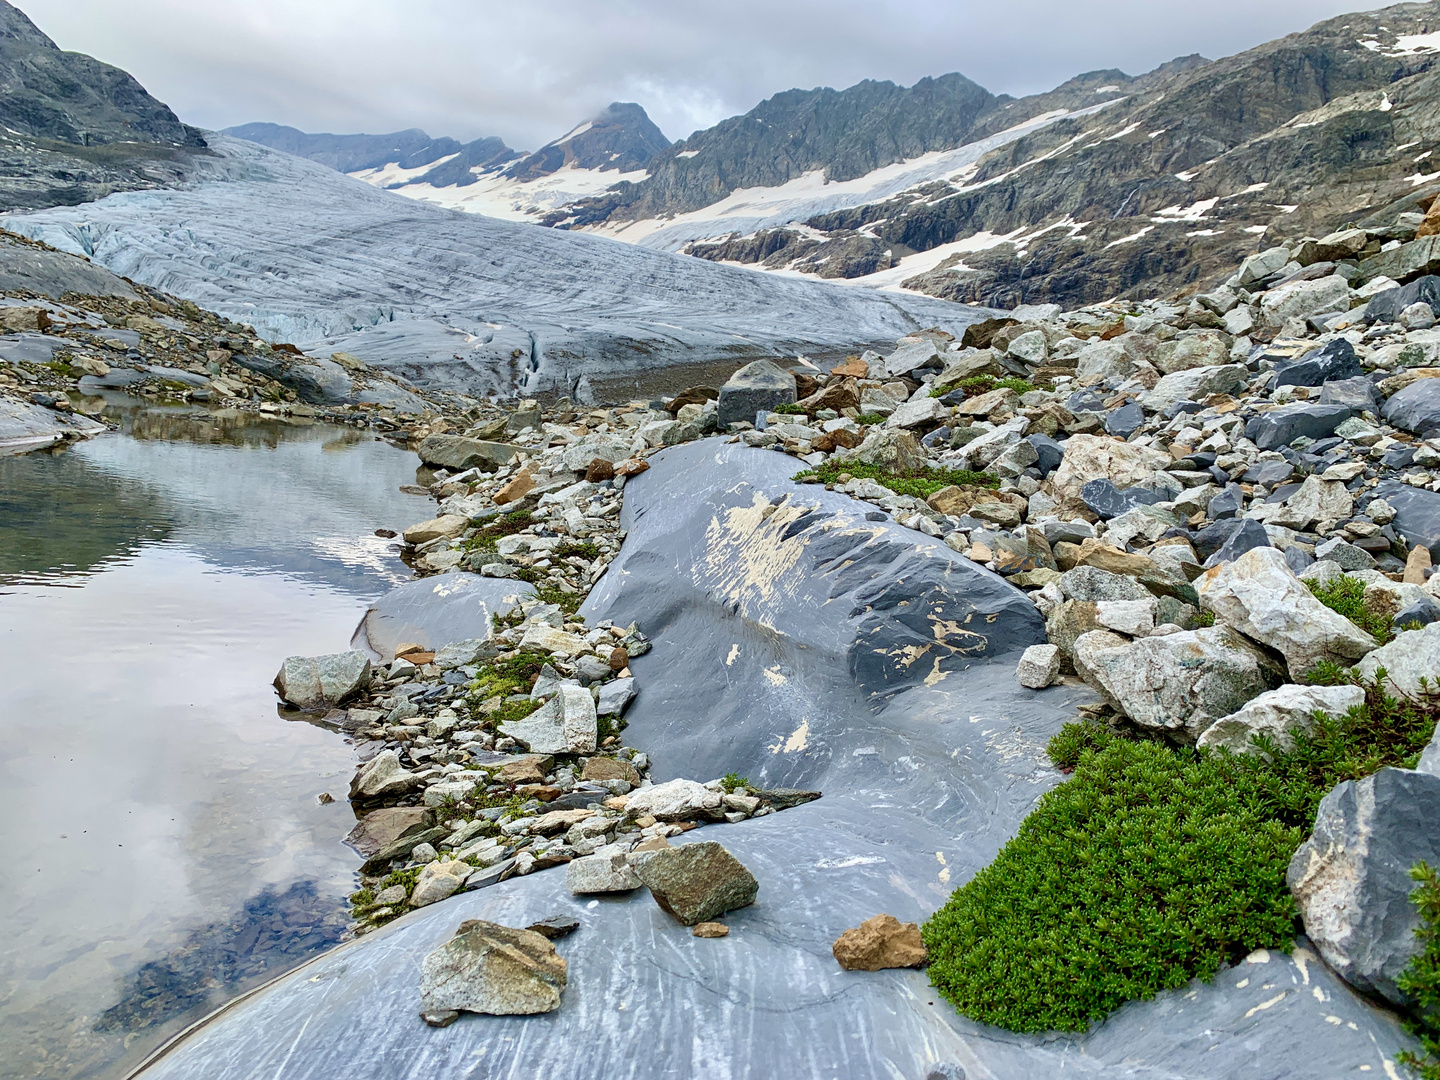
pixel 985 404
pixel 1067 555
pixel 655 843
pixel 558 821
pixel 599 470
pixel 852 368
pixel 839 396
pixel 608 768
pixel 631 467
pixel 805 385
pixel 1419 559
pixel 841 439
pixel 881 942
pixel 540 792
pixel 1109 557
pixel 405 648
pixel 956 500
pixel 710 930
pixel 1068 621
pixel 1395 383
pixel 530 769
pixel 488 968
pixel 520 485
pixel 694 395
pixel 978 335
pixel 619 658
pixel 380 828
pixel 447 526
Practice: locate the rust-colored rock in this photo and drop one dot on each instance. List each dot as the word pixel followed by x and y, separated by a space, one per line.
pixel 710 930
pixel 694 395
pixel 631 467
pixel 852 368
pixel 881 942
pixel 530 769
pixel 519 486
pixel 619 658
pixel 839 396
pixel 599 470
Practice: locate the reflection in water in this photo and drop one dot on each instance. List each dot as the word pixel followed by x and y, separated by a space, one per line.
pixel 147 786
pixel 56 519
pixel 274 932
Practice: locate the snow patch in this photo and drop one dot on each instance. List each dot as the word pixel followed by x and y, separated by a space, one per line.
pixel 688 153
pixel 1131 238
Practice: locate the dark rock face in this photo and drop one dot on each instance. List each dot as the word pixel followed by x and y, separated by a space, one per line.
pixel 1416 408
pixel 1387 306
pixel 752 389
pixel 1109 501
pixel 1352 881
pixel 1334 360
pixel 1188 132
pixel 622 137
pixel 1417 513
pixel 409 149
pixel 73 129
pixel 1282 426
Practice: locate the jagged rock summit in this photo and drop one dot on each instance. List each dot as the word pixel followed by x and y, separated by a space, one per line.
pixel 58 109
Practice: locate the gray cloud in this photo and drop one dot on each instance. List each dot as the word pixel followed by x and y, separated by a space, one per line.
pixel 528 71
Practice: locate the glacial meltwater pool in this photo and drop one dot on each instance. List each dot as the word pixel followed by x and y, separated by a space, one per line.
pixel 162 846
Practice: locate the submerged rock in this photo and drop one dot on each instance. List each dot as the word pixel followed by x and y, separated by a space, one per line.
pixel 489 968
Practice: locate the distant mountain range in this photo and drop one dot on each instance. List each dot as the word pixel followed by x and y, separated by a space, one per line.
pixel 1108 185
pixel 485 176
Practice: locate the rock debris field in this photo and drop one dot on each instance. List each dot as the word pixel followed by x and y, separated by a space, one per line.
pixel 1108 636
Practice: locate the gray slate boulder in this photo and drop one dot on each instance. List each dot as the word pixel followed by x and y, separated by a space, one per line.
pixel 1179 683
pixel 455 452
pixel 1279 714
pixel 1282 426
pixel 603 872
pixel 318 682
pixel 1333 360
pixel 1416 408
pixel 494 969
pixel 565 724
pixel 755 387
pixel 1351 879
pixel 698 882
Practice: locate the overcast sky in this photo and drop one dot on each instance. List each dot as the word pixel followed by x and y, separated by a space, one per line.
pixel 527 70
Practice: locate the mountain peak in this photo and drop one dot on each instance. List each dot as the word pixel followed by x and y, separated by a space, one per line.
pixel 621 137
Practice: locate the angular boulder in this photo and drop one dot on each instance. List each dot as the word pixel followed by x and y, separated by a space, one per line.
pixel 1179 683
pixel 380 828
pixel 566 724
pixel 456 453
pixel 1413 655
pixel 1282 426
pixel 1097 457
pixel 1039 666
pixel 382 775
pixel 322 682
pixel 1302 299
pixel 1351 879
pixel 879 943
pixel 1333 360
pixel 1194 384
pixel 439 880
pixel 1416 408
pixel 698 882
pixel 494 969
pixel 674 800
pixel 1260 596
pixel 1279 714
pixel 887 448
pixel 603 872
pixel 756 387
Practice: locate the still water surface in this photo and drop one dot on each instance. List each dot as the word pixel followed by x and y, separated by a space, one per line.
pixel 162 847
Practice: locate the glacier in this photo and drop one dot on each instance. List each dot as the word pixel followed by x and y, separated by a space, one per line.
pixel 452 300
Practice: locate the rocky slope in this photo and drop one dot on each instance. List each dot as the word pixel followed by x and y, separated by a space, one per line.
pixel 75 129
pixel 1043 199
